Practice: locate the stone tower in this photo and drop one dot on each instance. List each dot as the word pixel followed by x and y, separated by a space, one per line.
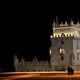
pixel 65 49
pixel 15 59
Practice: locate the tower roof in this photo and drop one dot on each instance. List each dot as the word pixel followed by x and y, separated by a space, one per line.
pixel 67 29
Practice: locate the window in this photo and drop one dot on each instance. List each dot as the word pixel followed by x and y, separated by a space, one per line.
pixel 62 42
pixel 62 35
pixel 62 58
pixel 61 50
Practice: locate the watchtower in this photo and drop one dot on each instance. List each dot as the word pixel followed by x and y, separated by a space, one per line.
pixel 65 49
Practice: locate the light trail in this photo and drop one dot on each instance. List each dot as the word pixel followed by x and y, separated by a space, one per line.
pixel 18 75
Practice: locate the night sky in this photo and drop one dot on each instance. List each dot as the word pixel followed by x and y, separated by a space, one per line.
pixel 25 30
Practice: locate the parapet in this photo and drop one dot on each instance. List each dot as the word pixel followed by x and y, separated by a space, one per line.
pixel 62 35
pixel 71 23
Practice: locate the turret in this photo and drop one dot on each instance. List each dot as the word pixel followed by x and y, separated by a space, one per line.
pixel 22 60
pixel 78 23
pixel 66 23
pixel 71 22
pixel 61 24
pixel 15 59
pixel 54 24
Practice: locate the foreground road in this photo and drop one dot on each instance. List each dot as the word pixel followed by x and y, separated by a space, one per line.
pixel 39 76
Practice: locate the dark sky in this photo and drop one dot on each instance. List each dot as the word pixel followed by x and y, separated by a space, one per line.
pixel 25 30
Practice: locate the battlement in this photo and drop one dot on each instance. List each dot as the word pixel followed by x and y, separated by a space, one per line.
pixel 62 35
pixel 34 65
pixel 71 23
pixel 67 35
pixel 69 30
pixel 34 61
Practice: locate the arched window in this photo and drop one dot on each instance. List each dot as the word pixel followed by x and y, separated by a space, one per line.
pixel 62 35
pixel 62 58
pixel 61 50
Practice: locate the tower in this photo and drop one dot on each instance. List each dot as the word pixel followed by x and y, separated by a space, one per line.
pixel 15 59
pixel 65 49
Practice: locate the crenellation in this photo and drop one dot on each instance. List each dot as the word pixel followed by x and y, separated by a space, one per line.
pixel 58 35
pixel 68 24
pixel 61 24
pixel 71 22
pixel 62 35
pixel 67 35
pixel 55 36
pixel 78 23
pixel 70 35
pixel 33 65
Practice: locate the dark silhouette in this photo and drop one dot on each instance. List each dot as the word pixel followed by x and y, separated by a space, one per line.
pixel 70 70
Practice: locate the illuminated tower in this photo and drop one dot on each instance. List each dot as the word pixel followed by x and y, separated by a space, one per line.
pixel 65 49
pixel 15 59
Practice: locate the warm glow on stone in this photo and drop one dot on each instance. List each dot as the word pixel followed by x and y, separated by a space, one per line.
pixel 51 36
pixel 61 50
pixel 68 31
pixel 50 51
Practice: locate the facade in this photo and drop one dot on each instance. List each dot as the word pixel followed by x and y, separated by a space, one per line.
pixel 65 50
pixel 34 65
